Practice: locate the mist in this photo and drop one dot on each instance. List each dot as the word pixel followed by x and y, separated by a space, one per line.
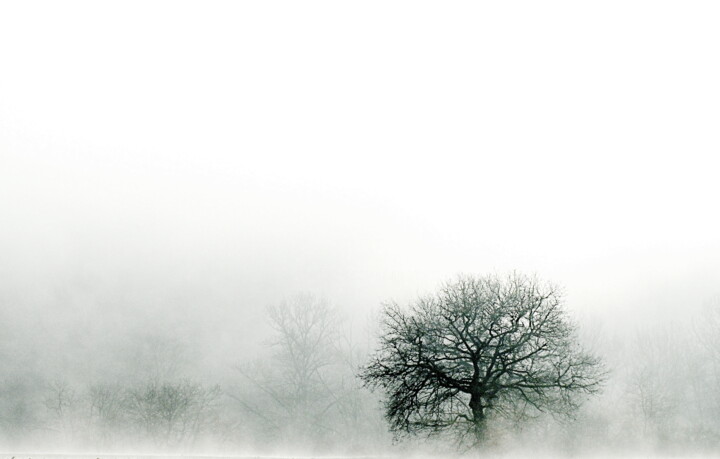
pixel 175 175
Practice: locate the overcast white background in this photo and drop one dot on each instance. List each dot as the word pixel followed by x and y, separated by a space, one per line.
pixel 363 150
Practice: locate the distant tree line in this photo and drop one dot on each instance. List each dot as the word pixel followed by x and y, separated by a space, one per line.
pixel 302 390
pixel 165 414
pixel 494 362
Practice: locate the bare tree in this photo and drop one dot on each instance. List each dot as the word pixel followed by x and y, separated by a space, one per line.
pixel 654 385
pixel 480 345
pixel 305 330
pixel 105 412
pixel 63 404
pixel 173 414
pixel 293 392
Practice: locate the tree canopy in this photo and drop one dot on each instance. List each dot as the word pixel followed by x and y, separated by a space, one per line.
pixel 479 345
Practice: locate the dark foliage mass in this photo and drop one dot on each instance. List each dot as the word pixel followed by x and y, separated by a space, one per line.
pixel 480 345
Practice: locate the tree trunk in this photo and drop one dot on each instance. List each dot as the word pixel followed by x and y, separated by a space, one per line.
pixel 478 412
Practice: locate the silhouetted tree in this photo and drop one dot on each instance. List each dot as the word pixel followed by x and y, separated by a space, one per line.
pixel 480 345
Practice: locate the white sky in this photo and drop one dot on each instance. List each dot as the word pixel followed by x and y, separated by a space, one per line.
pixel 366 149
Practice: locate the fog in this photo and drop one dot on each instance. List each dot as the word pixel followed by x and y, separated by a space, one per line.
pixel 172 172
